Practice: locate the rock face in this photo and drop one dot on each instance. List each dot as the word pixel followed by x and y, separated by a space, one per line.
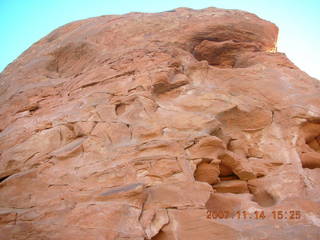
pixel 177 125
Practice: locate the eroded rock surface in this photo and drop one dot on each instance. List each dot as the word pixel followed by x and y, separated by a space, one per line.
pixel 140 126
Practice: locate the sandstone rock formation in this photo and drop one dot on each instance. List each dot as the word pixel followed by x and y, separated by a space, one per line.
pixel 140 126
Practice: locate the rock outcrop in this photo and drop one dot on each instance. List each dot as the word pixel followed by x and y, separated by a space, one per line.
pixel 186 124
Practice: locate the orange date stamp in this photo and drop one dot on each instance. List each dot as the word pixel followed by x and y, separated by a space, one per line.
pixel 256 215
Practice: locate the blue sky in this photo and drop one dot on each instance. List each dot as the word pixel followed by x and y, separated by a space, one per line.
pixel 23 22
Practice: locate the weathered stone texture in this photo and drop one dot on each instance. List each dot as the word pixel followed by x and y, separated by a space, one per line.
pixel 133 126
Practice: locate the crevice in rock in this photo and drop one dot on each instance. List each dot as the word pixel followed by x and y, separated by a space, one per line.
pixel 314 143
pixel 134 188
pixel 159 236
pixel 309 145
pixel 228 177
pixel 163 87
pixel 207 172
pixel 172 208
pixel 4 178
pixel 310 160
pixel 138 89
pixel 229 182
pixel 89 84
pixel 237 165
pixel 190 144
pixel 106 79
pixel 31 108
pixel 220 177
pixel 235 186
pixel 30 157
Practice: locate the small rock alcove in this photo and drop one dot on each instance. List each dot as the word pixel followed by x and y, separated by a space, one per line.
pixel 223 46
pixel 310 145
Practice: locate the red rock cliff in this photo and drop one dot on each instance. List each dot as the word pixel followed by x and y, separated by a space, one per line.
pixel 144 126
